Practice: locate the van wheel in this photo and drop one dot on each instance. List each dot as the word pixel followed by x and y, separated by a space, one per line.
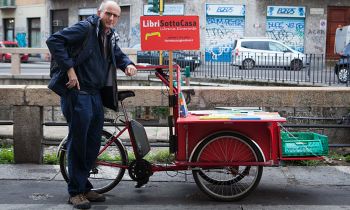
pixel 296 65
pixel 248 64
pixel 343 75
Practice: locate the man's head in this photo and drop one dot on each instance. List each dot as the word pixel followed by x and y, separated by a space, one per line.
pixel 109 12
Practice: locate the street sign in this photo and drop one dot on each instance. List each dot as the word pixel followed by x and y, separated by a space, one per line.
pixel 169 32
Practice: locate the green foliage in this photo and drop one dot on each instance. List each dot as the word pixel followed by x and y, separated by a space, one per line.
pixel 50 159
pixel 131 156
pixel 304 163
pixel 347 158
pixel 161 156
pixel 6 155
pixel 335 156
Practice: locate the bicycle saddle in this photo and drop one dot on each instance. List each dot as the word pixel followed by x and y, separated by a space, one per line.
pixel 125 94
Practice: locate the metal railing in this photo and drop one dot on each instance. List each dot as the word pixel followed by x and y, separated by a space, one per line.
pixel 312 70
pixel 308 69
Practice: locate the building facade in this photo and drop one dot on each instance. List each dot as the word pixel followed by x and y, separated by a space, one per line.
pixel 305 25
pixel 23 21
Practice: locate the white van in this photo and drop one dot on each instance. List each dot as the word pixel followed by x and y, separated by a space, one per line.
pixel 342 38
pixel 342 48
pixel 251 52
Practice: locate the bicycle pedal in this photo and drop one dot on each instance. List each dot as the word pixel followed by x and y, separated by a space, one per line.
pixel 139 184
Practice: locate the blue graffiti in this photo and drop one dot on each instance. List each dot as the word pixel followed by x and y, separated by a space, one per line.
pixel 243 11
pixel 286 11
pixel 218 54
pixel 21 39
pixel 275 24
pixel 270 12
pixel 301 11
pixel 225 21
pixel 224 9
pixel 290 32
pixel 300 26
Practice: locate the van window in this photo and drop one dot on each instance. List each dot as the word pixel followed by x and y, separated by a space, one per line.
pixel 274 46
pixel 346 50
pixel 234 44
pixel 257 45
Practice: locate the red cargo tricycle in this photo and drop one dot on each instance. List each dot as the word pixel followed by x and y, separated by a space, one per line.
pixel 225 154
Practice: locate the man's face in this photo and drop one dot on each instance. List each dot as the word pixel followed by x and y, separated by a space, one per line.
pixel 109 15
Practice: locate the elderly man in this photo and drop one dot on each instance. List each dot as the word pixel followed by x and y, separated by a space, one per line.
pixel 86 82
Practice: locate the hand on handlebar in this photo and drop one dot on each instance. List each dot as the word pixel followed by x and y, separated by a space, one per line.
pixel 130 70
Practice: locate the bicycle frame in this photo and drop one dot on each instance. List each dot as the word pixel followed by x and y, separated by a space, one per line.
pixel 155 167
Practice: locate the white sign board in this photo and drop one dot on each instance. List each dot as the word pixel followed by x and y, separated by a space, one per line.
pixel 225 10
pixel 88 11
pixel 286 11
pixel 316 11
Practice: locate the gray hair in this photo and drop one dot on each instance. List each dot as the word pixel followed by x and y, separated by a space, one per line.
pixel 102 6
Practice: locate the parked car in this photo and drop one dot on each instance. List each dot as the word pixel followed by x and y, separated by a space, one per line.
pixel 250 52
pixel 191 59
pixel 342 67
pixel 6 57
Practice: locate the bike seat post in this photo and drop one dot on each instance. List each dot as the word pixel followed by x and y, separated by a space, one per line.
pixel 124 111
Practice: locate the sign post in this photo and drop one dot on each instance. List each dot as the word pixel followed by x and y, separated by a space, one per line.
pixel 161 8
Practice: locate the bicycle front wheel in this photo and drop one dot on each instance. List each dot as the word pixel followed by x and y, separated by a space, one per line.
pixel 231 182
pixel 102 177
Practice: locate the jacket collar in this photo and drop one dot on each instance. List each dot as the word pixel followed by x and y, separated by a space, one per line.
pixel 96 20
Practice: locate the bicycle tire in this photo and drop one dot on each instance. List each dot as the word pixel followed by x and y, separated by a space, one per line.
pixel 100 176
pixel 227 183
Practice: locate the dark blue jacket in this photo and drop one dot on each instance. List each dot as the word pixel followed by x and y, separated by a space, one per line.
pixel 90 66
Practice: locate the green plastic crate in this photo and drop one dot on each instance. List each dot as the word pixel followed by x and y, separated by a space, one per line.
pixel 301 144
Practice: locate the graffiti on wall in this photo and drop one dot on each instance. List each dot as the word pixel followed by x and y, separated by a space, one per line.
pixel 318 39
pixel 288 31
pixel 123 32
pixel 21 39
pixel 135 34
pixel 224 24
pixel 220 35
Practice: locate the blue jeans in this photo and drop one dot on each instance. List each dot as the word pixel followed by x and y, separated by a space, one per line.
pixel 84 115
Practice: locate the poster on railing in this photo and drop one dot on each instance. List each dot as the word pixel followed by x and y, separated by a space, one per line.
pixel 169 32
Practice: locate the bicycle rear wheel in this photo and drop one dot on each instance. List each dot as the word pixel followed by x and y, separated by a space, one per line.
pixel 231 182
pixel 102 177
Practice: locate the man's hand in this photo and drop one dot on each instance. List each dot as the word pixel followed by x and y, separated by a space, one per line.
pixel 73 79
pixel 130 70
